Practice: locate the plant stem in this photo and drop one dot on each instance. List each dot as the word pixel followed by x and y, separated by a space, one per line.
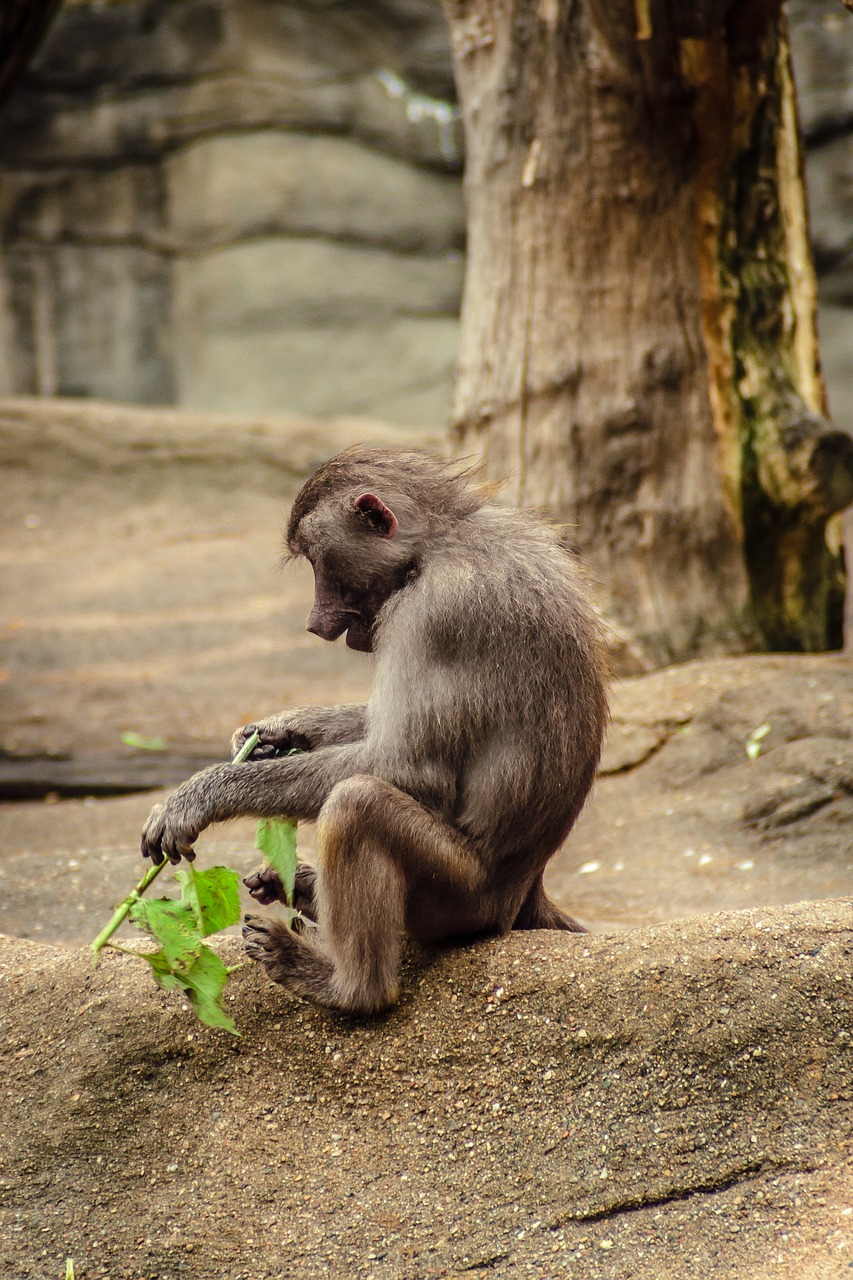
pixel 124 906
pixel 153 872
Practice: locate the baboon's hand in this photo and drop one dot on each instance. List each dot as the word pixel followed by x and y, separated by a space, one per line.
pixel 265 886
pixel 278 734
pixel 173 827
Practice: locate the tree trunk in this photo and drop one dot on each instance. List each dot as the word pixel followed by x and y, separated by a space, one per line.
pixel 23 24
pixel 638 348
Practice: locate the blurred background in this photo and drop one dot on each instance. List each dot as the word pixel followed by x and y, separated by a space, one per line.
pixel 256 206
pixel 236 206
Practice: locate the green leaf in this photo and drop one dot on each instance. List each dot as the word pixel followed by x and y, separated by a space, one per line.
pixel 209 901
pixel 276 840
pixel 141 740
pixel 205 983
pixel 755 739
pixel 214 896
pixel 204 980
pixel 174 925
pixel 161 969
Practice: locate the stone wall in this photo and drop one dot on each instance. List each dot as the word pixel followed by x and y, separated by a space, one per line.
pixel 236 205
pixel 822 46
pixel 255 205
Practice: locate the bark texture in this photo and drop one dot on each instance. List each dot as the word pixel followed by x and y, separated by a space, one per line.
pixel 23 24
pixel 638 342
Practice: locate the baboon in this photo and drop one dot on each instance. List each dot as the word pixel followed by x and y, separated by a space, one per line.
pixel 439 803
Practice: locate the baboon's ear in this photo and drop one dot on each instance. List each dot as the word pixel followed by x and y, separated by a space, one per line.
pixel 380 518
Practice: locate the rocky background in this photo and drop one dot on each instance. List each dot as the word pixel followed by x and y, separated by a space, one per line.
pixel 236 205
pixel 822 43
pixel 256 205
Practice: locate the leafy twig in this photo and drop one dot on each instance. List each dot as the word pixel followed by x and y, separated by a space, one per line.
pixel 152 873
pixel 209 902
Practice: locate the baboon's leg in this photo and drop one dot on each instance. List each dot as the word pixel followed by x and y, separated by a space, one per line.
pixel 374 843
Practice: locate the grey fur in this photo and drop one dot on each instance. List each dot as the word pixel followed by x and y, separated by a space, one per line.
pixel 442 800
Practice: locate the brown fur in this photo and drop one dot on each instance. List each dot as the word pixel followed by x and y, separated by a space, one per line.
pixel 440 802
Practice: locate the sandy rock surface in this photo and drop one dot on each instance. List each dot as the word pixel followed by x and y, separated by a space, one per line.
pixel 671 1102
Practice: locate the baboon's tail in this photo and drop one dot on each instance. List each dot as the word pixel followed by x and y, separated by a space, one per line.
pixel 539 912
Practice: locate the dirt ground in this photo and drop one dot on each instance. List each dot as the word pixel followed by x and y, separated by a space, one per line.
pixel 665 1104
pixel 665 1099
